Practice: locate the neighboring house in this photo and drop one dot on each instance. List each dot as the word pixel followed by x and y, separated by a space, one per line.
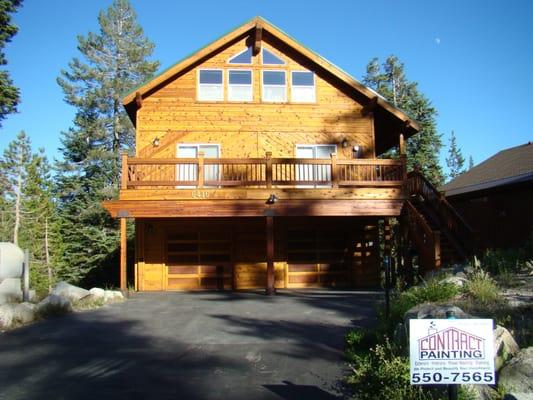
pixel 496 197
pixel 256 167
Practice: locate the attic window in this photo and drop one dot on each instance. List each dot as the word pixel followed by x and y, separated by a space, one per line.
pixel 210 86
pixel 244 57
pixel 270 58
pixel 240 85
pixel 303 87
pixel 274 87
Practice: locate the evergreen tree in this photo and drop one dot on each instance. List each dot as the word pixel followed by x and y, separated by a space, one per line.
pixel 14 165
pixel 470 162
pixel 389 80
pixel 114 61
pixel 9 94
pixel 455 160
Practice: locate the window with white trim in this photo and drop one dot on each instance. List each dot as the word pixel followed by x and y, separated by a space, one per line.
pixel 189 172
pixel 240 85
pixel 244 57
pixel 210 85
pixel 303 87
pixel 312 172
pixel 274 88
pixel 269 58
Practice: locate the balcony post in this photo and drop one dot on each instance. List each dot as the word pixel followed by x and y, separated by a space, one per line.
pixel 201 177
pixel 124 172
pixel 123 253
pixel 334 171
pixel 268 172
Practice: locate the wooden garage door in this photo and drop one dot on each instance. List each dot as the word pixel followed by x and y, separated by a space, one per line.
pixel 198 260
pixel 317 258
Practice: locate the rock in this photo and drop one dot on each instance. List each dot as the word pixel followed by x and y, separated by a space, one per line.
pixel 468 270
pixel 97 292
pixel 6 315
pixel 24 313
pixel 113 296
pixel 6 298
pixel 70 292
pixel 517 375
pixel 431 310
pixel 455 280
pixel 460 275
pixel 505 347
pixel 518 396
pixel 54 305
pixel 480 392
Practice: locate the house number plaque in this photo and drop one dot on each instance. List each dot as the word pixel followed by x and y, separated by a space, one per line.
pixel 200 194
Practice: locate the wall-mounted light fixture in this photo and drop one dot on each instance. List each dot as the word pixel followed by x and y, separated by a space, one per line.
pixel 155 142
pixel 356 151
pixel 344 143
pixel 272 199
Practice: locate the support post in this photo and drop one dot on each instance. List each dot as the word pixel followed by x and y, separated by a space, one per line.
pixel 268 171
pixel 401 144
pixel 124 171
pixel 334 171
pixel 26 276
pixel 123 252
pixel 201 177
pixel 270 289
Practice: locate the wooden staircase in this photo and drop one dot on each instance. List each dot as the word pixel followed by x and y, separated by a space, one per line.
pixel 432 227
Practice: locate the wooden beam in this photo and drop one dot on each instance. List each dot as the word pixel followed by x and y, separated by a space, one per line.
pixel 401 144
pixel 252 208
pixel 257 39
pixel 270 289
pixel 123 252
pixel 370 106
pixel 124 170
pixel 138 99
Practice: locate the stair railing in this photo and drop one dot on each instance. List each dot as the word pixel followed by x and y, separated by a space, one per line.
pixel 451 220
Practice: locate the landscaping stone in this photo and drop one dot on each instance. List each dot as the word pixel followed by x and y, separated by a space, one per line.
pixel 517 375
pixel 24 313
pixel 455 280
pixel 54 305
pixel 431 310
pixel 98 292
pixel 113 295
pixel 505 347
pixel 6 315
pixel 70 292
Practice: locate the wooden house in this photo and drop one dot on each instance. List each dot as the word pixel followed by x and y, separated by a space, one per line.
pixel 257 166
pixel 496 197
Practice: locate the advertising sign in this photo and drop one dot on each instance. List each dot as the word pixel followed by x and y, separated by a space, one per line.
pixel 451 351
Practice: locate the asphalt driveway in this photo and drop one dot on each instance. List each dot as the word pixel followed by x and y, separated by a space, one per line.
pixel 206 345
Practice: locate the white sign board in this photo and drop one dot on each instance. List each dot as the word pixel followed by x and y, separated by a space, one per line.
pixel 451 351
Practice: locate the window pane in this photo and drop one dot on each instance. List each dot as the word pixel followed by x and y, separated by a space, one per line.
pixel 210 151
pixel 210 92
pixel 240 77
pixel 273 78
pixel 325 151
pixel 244 58
pixel 210 76
pixel 303 94
pixel 271 58
pixel 274 93
pixel 240 93
pixel 303 78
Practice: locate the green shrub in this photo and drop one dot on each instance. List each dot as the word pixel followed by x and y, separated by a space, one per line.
pixel 482 288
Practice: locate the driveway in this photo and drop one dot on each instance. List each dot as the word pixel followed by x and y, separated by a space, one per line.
pixel 205 345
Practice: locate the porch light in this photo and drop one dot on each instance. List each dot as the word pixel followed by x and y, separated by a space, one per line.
pixel 272 199
pixel 155 142
pixel 344 143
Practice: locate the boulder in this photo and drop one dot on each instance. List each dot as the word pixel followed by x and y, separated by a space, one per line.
pixel 6 315
pixel 54 305
pixel 517 375
pixel 24 313
pixel 70 292
pixel 97 292
pixel 431 310
pixel 505 347
pixel 113 296
pixel 455 280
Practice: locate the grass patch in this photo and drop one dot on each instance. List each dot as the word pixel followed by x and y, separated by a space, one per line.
pixel 482 288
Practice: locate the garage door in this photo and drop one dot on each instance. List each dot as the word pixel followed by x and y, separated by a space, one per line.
pixel 198 260
pixel 318 259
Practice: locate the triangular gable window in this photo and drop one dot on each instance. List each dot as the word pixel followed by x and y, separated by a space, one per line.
pixel 270 58
pixel 244 57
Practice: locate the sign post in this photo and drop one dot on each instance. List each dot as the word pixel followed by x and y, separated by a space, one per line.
pixel 451 352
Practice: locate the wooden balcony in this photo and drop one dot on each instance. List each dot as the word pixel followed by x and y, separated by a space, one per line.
pixel 198 187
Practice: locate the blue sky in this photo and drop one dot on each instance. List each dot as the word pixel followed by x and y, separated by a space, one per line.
pixel 473 59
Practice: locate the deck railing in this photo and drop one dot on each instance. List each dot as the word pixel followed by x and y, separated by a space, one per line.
pixel 267 172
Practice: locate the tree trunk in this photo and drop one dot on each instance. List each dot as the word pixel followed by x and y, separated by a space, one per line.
pixel 18 193
pixel 47 256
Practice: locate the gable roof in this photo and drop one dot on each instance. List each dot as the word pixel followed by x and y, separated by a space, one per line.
pixel 508 166
pixel 133 99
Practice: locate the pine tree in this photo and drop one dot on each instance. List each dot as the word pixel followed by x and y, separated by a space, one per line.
pixel 455 160
pixel 114 61
pixel 470 162
pixel 14 165
pixel 9 94
pixel 389 80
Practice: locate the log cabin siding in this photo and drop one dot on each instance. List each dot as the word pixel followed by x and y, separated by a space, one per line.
pixel 174 115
